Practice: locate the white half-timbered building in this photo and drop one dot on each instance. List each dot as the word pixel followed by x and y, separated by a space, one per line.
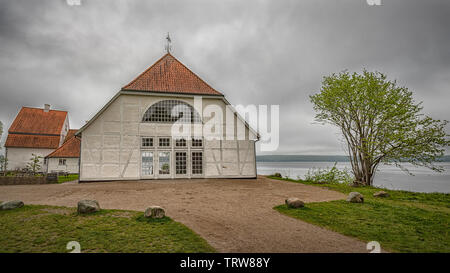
pixel 132 137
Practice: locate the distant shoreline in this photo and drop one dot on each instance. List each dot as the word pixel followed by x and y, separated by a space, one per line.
pixel 315 158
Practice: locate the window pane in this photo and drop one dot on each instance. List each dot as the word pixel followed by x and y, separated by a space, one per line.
pixel 180 162
pixel 169 111
pixel 164 142
pixel 164 162
pixel 147 142
pixel 147 163
pixel 180 142
pixel 197 162
pixel 197 142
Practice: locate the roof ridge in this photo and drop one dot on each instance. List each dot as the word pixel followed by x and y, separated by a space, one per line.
pixel 62 146
pixel 150 67
pixel 30 107
pixel 204 87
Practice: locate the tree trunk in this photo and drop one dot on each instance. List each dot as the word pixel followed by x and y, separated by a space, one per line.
pixel 362 169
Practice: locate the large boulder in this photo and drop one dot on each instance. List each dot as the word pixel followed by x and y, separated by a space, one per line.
pixel 15 204
pixel 294 202
pixel 88 206
pixel 381 194
pixel 154 212
pixel 355 197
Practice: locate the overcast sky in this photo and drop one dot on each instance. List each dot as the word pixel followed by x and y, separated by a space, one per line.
pixel 255 52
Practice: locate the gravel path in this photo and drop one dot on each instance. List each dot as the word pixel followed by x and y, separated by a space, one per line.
pixel 233 215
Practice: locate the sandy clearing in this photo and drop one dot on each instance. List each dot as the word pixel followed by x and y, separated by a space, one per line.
pixel 233 215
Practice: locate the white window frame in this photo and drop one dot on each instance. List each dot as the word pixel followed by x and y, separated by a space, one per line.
pixel 159 163
pixel 185 162
pixel 179 139
pixel 192 162
pixel 152 166
pixel 62 162
pixel 195 146
pixel 159 142
pixel 147 146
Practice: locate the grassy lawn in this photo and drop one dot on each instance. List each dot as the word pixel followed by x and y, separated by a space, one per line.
pixel 70 177
pixel 403 222
pixel 35 228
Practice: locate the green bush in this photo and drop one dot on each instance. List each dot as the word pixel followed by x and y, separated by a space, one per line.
pixel 333 175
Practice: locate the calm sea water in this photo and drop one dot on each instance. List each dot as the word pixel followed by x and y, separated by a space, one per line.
pixel 423 180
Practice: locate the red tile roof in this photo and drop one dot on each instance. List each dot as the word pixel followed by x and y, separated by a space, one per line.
pixel 70 134
pixel 36 121
pixel 70 148
pixel 32 141
pixel 169 75
pixel 34 128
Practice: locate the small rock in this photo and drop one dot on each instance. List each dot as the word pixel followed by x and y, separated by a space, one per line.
pixel 88 206
pixel 381 194
pixel 278 175
pixel 294 202
pixel 155 212
pixel 355 197
pixel 11 205
pixel 357 184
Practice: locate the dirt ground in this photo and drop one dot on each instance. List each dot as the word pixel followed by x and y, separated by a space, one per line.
pixel 233 215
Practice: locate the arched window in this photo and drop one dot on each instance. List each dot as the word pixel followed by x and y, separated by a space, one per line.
pixel 170 111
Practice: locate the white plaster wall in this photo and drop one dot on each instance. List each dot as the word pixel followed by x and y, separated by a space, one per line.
pixel 230 158
pixel 19 157
pixel 110 145
pixel 70 167
pixel 64 130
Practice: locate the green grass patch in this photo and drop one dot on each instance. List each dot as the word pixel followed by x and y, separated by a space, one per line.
pixel 403 222
pixel 35 228
pixel 70 177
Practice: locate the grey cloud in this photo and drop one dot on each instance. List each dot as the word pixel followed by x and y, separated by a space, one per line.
pixel 255 52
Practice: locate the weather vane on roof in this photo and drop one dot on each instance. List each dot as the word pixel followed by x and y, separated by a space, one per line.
pixel 168 44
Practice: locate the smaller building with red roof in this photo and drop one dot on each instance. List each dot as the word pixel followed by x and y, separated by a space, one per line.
pixel 38 131
pixel 66 157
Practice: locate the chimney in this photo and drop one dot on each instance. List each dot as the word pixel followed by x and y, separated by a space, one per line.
pixel 46 107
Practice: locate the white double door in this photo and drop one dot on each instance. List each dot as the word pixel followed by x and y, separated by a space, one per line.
pixel 158 164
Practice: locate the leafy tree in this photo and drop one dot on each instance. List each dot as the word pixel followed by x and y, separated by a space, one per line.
pixel 3 163
pixel 34 165
pixel 380 123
